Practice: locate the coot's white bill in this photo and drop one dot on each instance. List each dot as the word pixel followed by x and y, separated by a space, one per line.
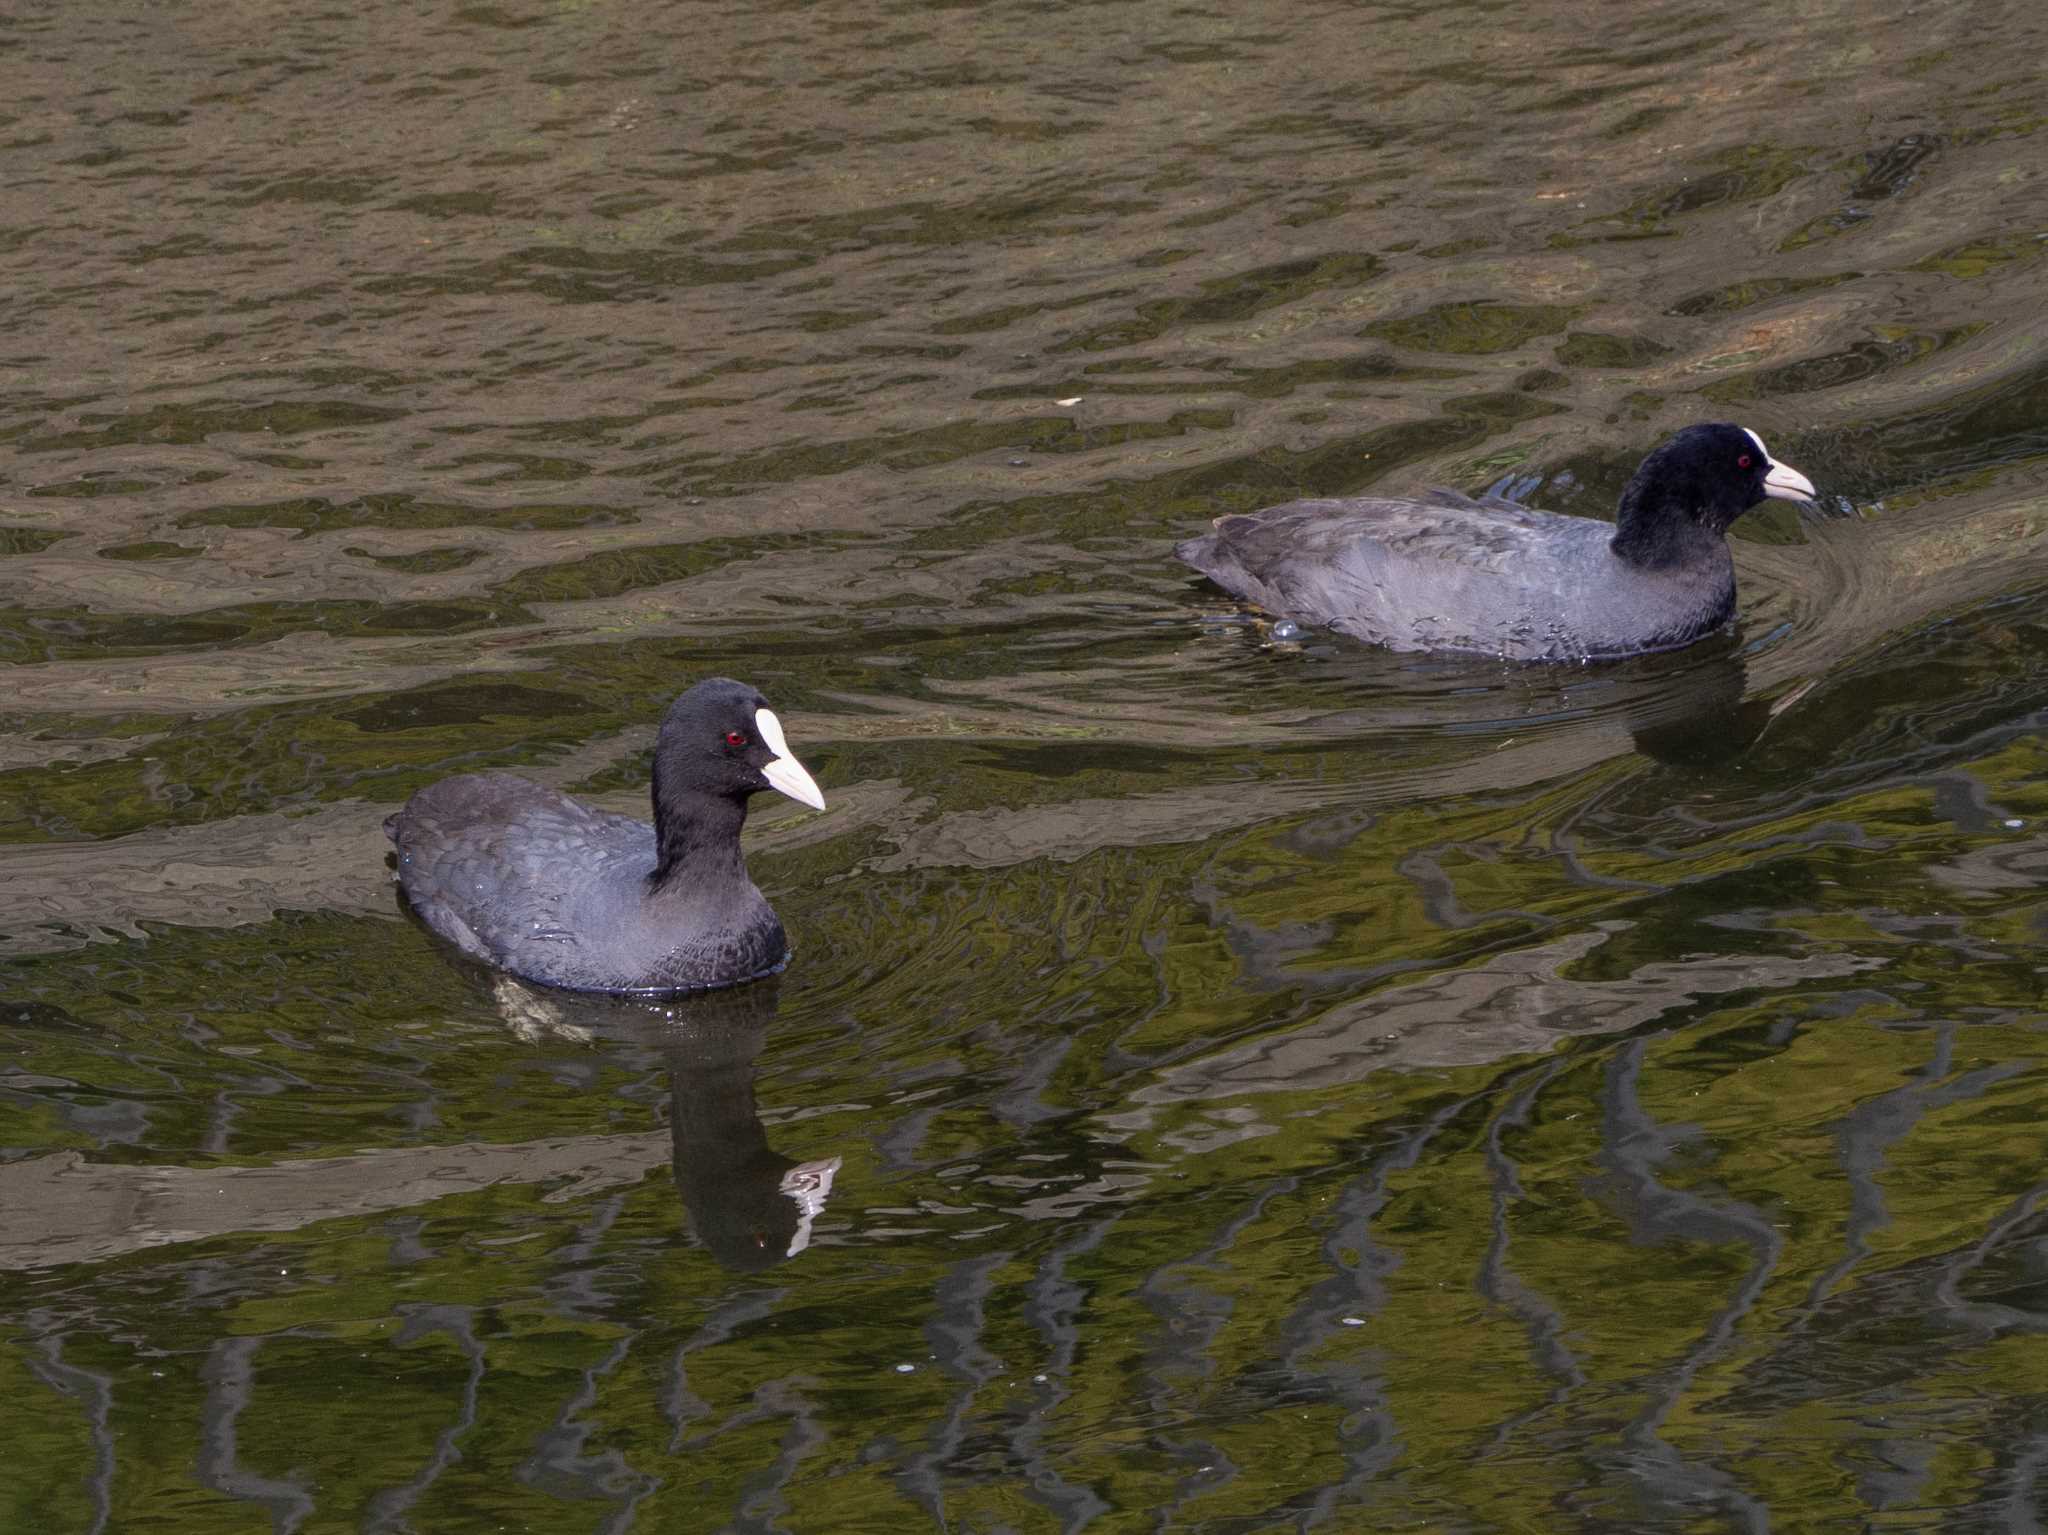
pixel 1784 482
pixel 785 773
pixel 1788 484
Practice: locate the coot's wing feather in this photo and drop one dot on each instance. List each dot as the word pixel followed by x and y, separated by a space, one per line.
pixel 1447 528
pixel 495 863
pixel 1444 573
pixel 1443 495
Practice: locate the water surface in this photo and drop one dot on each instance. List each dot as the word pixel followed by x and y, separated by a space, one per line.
pixel 1223 1084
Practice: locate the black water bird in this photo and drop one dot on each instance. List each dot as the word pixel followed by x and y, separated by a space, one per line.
pixel 1492 577
pixel 531 881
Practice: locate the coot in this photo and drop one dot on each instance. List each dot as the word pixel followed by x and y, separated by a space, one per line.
pixel 1450 573
pixel 533 882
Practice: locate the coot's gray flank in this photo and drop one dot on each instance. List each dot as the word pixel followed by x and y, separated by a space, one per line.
pixel 1447 572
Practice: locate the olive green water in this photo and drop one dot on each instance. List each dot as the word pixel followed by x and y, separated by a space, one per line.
pixel 1222 1085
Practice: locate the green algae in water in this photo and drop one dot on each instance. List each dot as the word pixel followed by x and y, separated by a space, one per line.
pixel 1473 329
pixel 1590 349
pixel 1234 298
pixel 195 423
pixel 422 562
pixel 54 634
pixel 28 540
pixel 151 549
pixel 1750 292
pixel 317 514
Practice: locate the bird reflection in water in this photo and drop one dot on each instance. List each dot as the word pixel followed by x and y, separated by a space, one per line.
pixel 749 1206
pixel 1701 716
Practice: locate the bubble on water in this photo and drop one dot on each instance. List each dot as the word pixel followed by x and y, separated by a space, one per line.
pixel 1287 629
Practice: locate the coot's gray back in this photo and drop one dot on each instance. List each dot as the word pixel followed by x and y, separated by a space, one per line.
pixel 531 881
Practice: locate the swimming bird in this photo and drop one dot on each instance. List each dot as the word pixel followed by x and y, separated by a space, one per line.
pixel 1493 577
pixel 534 882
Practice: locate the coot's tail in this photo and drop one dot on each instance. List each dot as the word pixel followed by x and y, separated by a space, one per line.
pixel 1208 555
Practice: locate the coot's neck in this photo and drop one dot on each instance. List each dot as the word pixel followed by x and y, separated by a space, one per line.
pixel 696 838
pixel 1653 531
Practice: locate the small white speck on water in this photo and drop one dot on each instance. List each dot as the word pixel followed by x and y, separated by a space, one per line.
pixel 905 1369
pixel 1287 629
pixel 1072 399
pixel 2014 824
pixel 1039 1380
pixel 1354 1321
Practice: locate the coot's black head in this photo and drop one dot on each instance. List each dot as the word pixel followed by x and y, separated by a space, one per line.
pixel 721 738
pixel 1704 478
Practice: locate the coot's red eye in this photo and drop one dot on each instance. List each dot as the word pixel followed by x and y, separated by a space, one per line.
pixel 734 738
pixel 1743 462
